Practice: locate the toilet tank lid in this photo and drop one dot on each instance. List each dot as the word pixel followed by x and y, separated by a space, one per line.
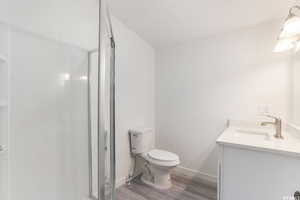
pixel 162 155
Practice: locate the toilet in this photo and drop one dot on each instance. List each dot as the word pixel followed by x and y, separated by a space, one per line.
pixel 158 163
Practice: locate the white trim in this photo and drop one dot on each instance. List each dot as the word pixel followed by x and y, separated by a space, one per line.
pixel 196 175
pixel 202 177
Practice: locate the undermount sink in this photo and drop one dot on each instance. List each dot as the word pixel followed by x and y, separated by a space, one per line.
pixel 253 134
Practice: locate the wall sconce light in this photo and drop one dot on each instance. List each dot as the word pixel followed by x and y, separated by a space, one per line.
pixel 290 33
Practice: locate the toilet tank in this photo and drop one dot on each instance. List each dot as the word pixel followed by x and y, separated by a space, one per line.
pixel 140 140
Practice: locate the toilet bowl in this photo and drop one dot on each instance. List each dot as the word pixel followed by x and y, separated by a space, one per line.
pixel 159 164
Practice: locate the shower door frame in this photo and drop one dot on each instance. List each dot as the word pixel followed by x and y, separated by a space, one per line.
pixel 104 19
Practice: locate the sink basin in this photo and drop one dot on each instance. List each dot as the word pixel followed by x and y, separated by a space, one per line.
pixel 252 134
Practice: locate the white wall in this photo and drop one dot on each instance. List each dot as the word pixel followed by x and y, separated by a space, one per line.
pixel 295 89
pixel 201 84
pixel 135 65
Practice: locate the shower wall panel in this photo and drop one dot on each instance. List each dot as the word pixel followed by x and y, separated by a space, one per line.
pixel 48 121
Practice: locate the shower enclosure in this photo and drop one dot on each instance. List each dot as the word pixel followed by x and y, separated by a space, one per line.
pixel 56 100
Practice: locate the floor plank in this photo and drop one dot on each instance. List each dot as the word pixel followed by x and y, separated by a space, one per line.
pixel 182 189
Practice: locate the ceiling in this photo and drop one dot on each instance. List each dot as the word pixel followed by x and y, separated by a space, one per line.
pixel 167 22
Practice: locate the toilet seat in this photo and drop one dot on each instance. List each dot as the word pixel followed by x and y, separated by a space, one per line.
pixel 162 158
pixel 162 155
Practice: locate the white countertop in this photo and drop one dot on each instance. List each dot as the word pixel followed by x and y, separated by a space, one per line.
pixel 252 136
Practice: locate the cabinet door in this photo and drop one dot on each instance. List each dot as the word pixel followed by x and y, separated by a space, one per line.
pixel 258 175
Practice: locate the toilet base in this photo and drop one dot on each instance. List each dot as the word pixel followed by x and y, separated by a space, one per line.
pixel 159 178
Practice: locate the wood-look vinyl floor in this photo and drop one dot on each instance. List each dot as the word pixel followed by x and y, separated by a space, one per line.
pixel 182 189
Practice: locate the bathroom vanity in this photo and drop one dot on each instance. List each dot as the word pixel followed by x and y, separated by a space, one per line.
pixel 254 165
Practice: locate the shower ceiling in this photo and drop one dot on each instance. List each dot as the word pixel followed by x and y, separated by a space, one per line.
pixel 165 22
pixel 55 19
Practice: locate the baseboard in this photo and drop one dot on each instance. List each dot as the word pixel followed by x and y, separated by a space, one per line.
pixel 195 175
pixel 204 178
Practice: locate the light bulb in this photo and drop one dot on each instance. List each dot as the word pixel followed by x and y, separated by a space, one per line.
pixel 291 27
pixel 285 44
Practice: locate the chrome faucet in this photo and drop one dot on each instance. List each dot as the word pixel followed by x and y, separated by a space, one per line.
pixel 278 126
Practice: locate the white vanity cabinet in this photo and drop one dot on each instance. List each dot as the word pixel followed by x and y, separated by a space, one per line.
pixel 250 170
